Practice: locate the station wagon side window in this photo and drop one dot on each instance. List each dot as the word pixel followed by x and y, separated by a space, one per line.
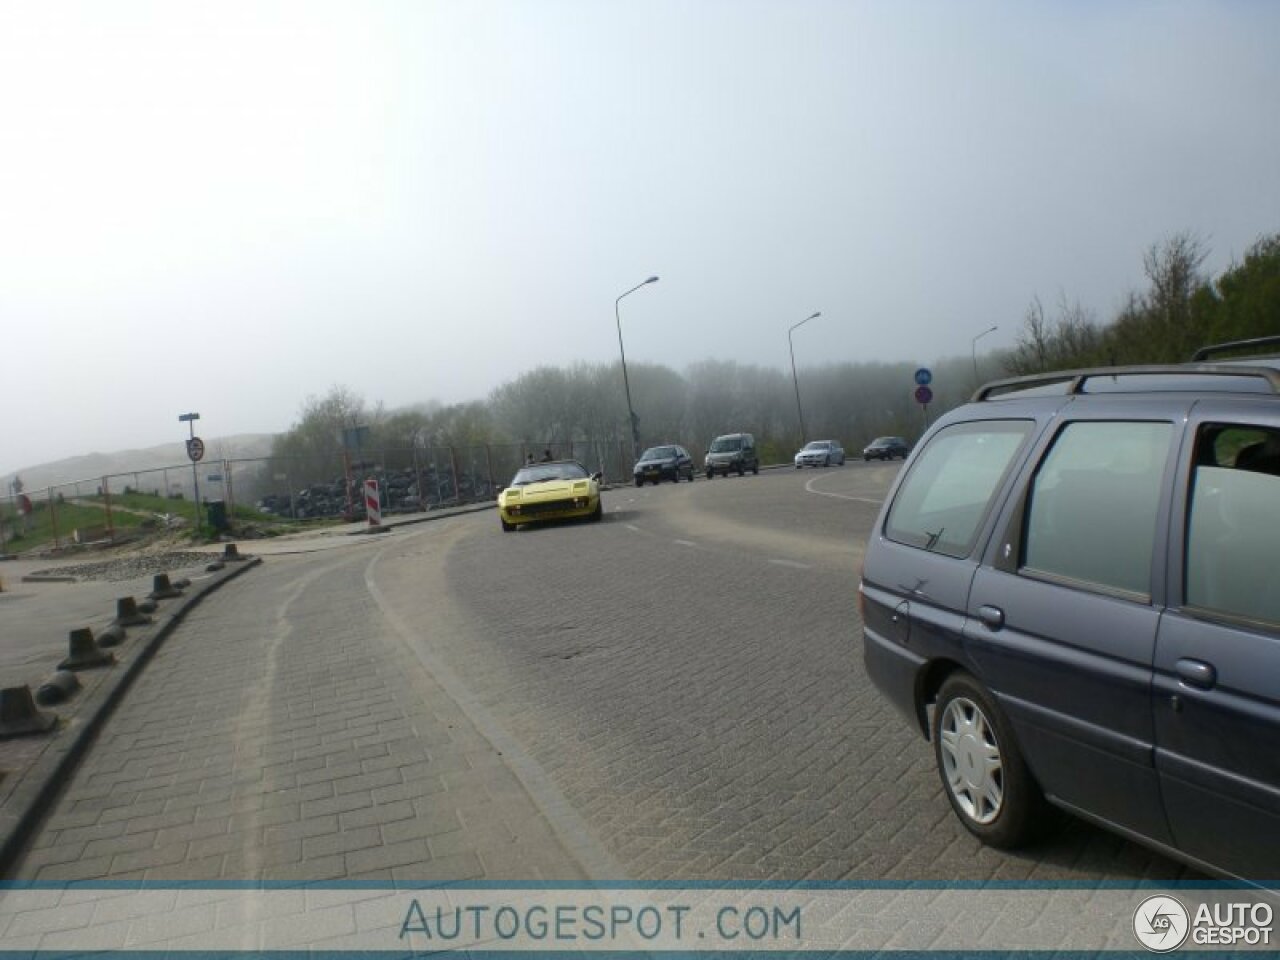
pixel 1233 523
pixel 948 493
pixel 1091 510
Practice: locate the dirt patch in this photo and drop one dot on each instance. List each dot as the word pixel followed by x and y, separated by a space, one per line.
pixel 126 567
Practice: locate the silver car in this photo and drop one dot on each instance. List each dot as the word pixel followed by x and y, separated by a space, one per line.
pixel 820 453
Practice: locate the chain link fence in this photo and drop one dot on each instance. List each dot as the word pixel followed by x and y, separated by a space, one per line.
pixel 283 488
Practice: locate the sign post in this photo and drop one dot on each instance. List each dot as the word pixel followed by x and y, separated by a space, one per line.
pixel 195 451
pixel 924 396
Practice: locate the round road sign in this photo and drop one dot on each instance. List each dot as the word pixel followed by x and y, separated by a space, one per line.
pixel 924 395
pixel 924 376
pixel 195 448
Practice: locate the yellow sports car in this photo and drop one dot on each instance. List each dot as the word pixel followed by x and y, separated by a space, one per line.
pixel 559 490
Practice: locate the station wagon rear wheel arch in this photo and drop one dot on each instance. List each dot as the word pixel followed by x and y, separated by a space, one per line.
pixel 928 683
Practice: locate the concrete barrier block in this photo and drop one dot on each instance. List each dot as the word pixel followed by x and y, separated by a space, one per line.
pixel 19 716
pixel 85 652
pixel 162 589
pixel 128 614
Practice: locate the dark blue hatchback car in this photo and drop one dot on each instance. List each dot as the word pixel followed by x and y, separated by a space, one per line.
pixel 1073 590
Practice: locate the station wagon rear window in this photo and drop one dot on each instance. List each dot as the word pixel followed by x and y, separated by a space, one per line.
pixel 944 499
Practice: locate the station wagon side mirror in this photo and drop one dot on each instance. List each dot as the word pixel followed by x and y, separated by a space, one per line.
pixel 597 476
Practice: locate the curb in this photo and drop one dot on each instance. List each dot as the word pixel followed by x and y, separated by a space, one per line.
pixel 405 519
pixel 24 805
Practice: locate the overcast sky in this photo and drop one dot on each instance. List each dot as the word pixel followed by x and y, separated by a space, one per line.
pixel 228 207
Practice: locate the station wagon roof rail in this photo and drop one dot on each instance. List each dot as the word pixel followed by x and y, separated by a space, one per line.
pixel 1138 379
pixel 1204 353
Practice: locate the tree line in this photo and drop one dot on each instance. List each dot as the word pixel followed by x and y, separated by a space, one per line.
pixel 1180 310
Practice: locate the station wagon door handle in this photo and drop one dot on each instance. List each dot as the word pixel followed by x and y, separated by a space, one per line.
pixel 1196 673
pixel 993 617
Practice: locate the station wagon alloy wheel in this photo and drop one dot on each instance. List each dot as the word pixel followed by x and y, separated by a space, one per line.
pixel 982 767
pixel 972 765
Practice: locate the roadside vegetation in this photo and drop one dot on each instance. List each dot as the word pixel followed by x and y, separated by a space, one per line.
pixel 1180 310
pixel 85 520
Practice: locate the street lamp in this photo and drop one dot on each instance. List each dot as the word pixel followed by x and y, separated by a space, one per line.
pixel 794 378
pixel 973 351
pixel 631 414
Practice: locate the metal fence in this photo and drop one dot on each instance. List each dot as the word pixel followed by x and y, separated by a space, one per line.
pixel 292 488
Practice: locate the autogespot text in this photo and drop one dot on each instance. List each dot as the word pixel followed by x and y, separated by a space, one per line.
pixel 570 923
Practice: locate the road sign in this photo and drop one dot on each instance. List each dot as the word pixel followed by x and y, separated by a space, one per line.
pixel 924 377
pixel 924 396
pixel 195 449
pixel 214 478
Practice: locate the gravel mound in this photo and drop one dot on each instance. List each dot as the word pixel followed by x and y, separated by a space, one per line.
pixel 128 567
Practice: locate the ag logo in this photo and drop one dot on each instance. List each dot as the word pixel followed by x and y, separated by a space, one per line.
pixel 1161 923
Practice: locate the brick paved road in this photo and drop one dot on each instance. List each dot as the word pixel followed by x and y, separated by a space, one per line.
pixel 689 672
pixel 675 693
pixel 286 732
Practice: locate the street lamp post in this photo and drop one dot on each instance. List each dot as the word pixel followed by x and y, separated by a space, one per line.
pixel 794 378
pixel 631 414
pixel 973 350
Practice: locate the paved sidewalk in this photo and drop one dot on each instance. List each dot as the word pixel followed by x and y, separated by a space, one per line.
pixel 37 614
pixel 285 734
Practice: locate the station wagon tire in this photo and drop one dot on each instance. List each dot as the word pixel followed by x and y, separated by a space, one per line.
pixel 506 527
pixel 755 470
pixel 598 514
pixel 982 769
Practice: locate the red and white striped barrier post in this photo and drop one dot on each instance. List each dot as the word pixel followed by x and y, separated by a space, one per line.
pixel 372 505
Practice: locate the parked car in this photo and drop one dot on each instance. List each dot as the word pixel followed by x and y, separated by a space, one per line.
pixel 557 490
pixel 820 453
pixel 1072 590
pixel 886 448
pixel 667 462
pixel 733 451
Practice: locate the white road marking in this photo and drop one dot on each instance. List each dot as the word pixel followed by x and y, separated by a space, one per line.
pixel 843 496
pixel 685 543
pixel 794 564
pixel 633 527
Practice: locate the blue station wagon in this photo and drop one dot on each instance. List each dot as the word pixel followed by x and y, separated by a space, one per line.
pixel 1073 590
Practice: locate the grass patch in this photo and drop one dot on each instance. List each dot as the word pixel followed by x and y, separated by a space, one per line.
pixel 130 512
